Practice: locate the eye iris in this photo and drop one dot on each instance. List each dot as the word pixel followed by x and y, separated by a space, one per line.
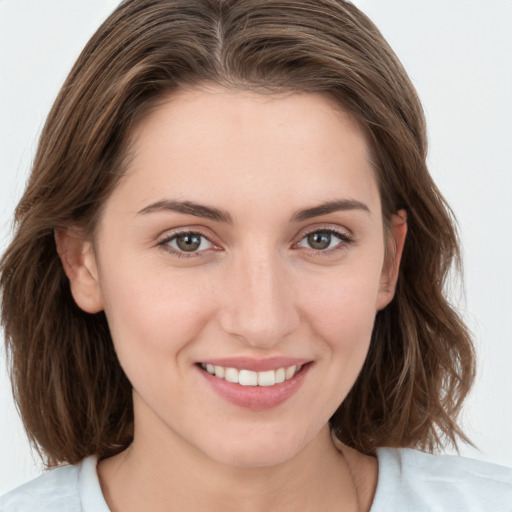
pixel 188 242
pixel 319 240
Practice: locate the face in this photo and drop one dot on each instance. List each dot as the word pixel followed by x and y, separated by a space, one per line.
pixel 240 263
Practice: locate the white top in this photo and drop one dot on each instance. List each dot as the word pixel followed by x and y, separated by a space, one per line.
pixel 409 481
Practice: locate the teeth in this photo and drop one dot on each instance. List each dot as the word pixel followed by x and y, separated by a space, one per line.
pixel 247 378
pixel 267 378
pixel 290 372
pixel 250 378
pixel 231 375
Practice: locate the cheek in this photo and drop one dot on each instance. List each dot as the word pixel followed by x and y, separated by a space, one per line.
pixel 151 311
pixel 342 309
pixel 343 296
pixel 340 319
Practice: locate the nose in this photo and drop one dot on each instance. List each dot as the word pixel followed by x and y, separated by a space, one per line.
pixel 258 301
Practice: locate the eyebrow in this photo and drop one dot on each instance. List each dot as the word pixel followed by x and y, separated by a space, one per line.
pixel 218 215
pixel 189 208
pixel 329 207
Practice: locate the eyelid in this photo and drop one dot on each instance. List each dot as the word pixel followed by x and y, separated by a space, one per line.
pixel 345 235
pixel 346 238
pixel 341 231
pixel 164 239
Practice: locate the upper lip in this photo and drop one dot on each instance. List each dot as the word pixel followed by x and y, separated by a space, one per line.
pixel 257 365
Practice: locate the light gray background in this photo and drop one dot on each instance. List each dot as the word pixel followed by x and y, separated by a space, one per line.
pixel 457 52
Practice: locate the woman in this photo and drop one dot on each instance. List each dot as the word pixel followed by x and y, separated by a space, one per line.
pixel 225 290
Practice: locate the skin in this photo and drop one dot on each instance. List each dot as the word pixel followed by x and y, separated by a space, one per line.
pixel 254 288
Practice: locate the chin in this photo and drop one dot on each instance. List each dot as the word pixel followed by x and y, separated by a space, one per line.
pixel 257 451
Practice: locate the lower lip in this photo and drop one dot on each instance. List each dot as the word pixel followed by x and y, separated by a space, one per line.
pixel 256 398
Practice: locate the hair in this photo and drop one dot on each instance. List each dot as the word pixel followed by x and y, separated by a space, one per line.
pixel 69 387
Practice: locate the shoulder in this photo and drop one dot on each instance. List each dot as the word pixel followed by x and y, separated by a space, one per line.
pixel 66 488
pixel 412 480
pixel 46 492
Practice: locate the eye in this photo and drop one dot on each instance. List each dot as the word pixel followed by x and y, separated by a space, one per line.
pixel 324 240
pixel 186 242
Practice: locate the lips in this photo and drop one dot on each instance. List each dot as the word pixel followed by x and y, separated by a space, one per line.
pixel 255 384
pixel 246 377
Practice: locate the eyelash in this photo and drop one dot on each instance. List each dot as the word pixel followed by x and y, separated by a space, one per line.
pixel 178 253
pixel 344 240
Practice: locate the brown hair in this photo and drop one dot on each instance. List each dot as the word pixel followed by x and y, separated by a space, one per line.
pixel 70 389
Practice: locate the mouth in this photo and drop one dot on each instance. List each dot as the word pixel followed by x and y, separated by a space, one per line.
pixel 246 377
pixel 253 384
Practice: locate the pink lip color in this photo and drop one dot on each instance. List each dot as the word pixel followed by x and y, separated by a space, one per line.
pixel 256 398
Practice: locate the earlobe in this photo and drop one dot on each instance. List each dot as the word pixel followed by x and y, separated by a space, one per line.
pixel 389 275
pixel 79 263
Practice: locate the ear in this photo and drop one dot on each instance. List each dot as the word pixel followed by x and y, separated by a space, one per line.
pixel 79 262
pixel 395 246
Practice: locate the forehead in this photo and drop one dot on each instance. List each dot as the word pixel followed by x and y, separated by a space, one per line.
pixel 214 143
pixel 221 113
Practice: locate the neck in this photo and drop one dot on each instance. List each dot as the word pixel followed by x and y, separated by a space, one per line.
pixel 155 475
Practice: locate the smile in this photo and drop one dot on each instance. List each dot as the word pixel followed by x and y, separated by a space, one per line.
pixel 255 384
pixel 252 378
